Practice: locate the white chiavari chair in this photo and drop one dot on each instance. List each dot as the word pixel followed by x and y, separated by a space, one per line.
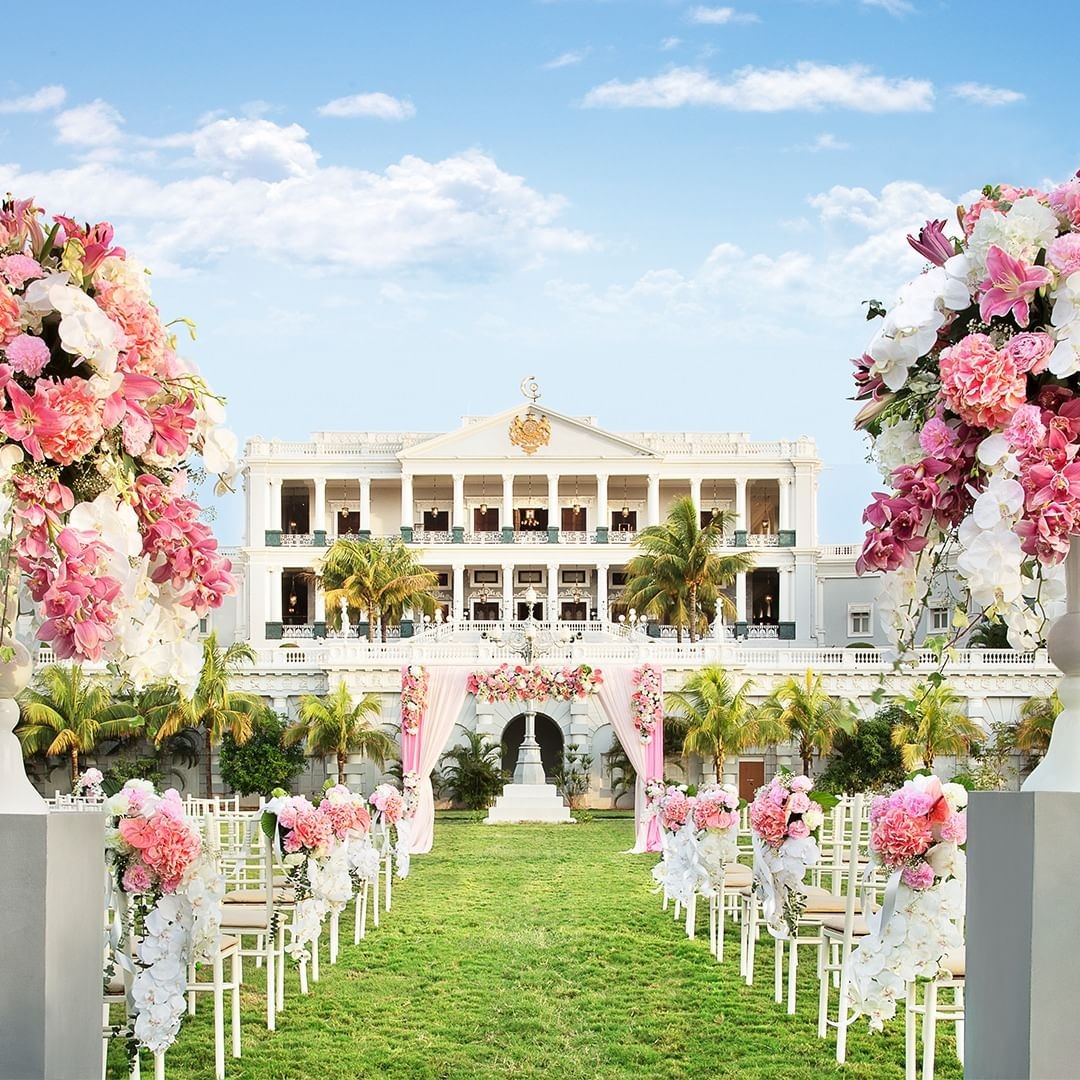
pixel 932 1011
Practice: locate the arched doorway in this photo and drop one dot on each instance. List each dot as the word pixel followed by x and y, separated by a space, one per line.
pixel 548 734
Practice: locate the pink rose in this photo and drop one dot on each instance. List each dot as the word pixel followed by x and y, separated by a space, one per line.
pixel 1063 254
pixel 798 829
pixel 1026 430
pixel 919 876
pixel 801 783
pixel 1030 352
pixel 937 438
pixel 799 803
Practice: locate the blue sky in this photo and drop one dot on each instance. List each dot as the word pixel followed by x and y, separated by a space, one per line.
pixel 384 215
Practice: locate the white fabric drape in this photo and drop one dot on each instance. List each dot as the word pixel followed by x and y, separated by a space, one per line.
pixel 446 695
pixel 614 697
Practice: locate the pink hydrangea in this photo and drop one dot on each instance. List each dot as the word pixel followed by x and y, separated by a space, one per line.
pixel 979 384
pixel 897 837
pixel 919 876
pixel 769 821
pixel 799 802
pixel 1030 352
pixel 1063 254
pixel 28 355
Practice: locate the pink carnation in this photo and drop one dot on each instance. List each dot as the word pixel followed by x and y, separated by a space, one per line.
pixel 799 803
pixel 954 828
pixel 9 317
pixel 937 438
pixel 979 384
pixel 1026 430
pixel 798 829
pixel 28 355
pixel 17 270
pixel 1063 254
pixel 80 412
pixel 135 879
pixel 1066 201
pixel 919 876
pixel 897 837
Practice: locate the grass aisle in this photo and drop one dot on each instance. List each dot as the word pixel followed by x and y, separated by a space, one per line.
pixel 535 951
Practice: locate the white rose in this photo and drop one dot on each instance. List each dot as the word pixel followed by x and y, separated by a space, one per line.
pixel 942 858
pixel 956 796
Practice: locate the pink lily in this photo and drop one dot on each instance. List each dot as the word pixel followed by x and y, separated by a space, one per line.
pixel 95 239
pixel 1010 286
pixel 932 243
pixel 29 420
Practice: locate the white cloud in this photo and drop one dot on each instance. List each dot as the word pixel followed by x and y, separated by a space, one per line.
pixel 670 43
pixel 94 124
pixel 827 141
pixel 261 193
pixel 981 94
pixel 806 86
pixel 567 59
pixel 377 105
pixel 48 97
pixel 896 8
pixel 720 16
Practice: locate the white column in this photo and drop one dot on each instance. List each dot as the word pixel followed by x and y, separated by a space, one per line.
pixel 507 520
pixel 695 494
pixel 255 488
pixel 554 517
pixel 458 604
pixel 274 580
pixel 819 612
pixel 740 503
pixel 785 502
pixel 318 518
pixel 652 513
pixel 740 597
pixel 273 516
pixel 365 503
pixel 786 605
pixel 458 519
pixel 602 516
pixel 407 508
pixel 552 591
pixel 258 596
pixel 601 592
pixel 320 604
pixel 508 612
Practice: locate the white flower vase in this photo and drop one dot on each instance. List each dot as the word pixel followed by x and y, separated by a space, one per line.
pixel 17 794
pixel 1059 770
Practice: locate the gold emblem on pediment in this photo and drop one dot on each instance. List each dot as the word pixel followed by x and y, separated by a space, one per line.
pixel 530 431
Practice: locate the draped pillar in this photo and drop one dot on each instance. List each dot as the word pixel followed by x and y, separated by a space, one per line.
pixel 614 696
pixel 420 752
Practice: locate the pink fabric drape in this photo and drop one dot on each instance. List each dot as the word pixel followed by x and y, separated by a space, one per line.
pixel 420 752
pixel 647 758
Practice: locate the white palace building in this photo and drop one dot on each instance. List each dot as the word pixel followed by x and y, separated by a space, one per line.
pixel 534 499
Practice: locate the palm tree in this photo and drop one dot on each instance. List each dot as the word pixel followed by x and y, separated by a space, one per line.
pixel 1037 716
pixel 475 775
pixel 214 707
pixel 381 578
pixel 809 715
pixel 679 572
pixel 718 719
pixel 67 713
pixel 334 725
pixel 936 724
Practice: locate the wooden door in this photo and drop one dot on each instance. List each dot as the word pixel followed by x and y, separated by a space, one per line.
pixel 751 777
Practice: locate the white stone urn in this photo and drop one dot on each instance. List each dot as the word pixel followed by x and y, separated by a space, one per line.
pixel 1060 769
pixel 17 794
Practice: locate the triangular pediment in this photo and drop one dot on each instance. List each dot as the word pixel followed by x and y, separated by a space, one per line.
pixel 551 436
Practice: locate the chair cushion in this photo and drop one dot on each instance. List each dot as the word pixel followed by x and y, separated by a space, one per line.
pixel 825 903
pixel 955 963
pixel 737 877
pixel 250 918
pixel 115 987
pixel 833 925
pixel 258 896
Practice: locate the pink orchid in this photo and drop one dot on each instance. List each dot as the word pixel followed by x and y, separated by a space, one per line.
pixel 1010 286
pixel 30 420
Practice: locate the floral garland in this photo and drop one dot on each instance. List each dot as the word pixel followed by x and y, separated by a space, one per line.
pixel 520 683
pixel 783 824
pixel 414 696
pixel 716 817
pixel 972 400
pixel 172 890
pixel 88 786
pixel 916 833
pixel 647 700
pixel 100 420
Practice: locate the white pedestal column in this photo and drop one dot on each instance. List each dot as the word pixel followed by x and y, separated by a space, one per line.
pixel 273 515
pixel 554 517
pixel 695 494
pixel 740 504
pixel 603 518
pixel 507 521
pixel 552 592
pixel 459 592
pixel 318 517
pixel 740 597
pixel 508 613
pixel 365 504
pixel 601 592
pixel 406 500
pixel 458 519
pixel 652 512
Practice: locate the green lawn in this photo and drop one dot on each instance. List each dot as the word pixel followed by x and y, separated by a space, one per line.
pixel 534 951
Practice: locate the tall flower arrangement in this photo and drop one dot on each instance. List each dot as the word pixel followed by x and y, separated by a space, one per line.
pixel 971 387
pixel 716 819
pixel 647 700
pixel 784 823
pixel 101 425
pixel 414 695
pixel 536 683
pixel 917 834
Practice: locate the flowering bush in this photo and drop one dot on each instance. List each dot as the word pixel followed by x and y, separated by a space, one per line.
pixel 520 683
pixel 414 692
pixel 647 700
pixel 88 786
pixel 100 422
pixel 972 391
pixel 916 832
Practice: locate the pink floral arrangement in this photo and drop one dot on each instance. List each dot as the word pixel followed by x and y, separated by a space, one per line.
pixel 971 392
pixel 536 683
pixel 647 700
pixel 301 827
pixel 908 827
pixel 783 809
pixel 674 807
pixel 345 812
pixel 151 842
pixel 716 808
pixel 414 692
pixel 389 802
pixel 100 423
pixel 88 786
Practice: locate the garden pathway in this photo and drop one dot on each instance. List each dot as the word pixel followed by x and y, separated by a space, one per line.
pixel 536 951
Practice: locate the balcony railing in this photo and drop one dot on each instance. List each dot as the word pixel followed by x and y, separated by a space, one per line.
pixel 297 539
pixel 426 536
pixel 530 536
pixel 763 540
pixel 483 538
pixel 622 536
